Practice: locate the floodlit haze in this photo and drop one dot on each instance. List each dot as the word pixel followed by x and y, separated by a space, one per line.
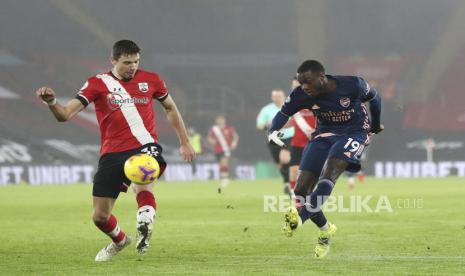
pixel 225 57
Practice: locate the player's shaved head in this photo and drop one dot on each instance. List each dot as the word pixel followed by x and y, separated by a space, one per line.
pixel 124 47
pixel 311 65
pixel 312 78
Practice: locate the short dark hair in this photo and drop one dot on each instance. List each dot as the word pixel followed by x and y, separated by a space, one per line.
pixel 124 47
pixel 311 65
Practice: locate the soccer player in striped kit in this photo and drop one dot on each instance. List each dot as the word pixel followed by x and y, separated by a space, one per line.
pixel 123 99
pixel 224 139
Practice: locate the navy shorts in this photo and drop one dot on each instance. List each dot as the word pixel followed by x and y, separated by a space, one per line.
pixel 347 147
pixel 110 180
pixel 296 155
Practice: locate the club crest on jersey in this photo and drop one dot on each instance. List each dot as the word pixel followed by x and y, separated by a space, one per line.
pixel 143 87
pixel 345 102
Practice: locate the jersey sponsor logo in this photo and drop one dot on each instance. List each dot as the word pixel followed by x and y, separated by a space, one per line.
pixel 337 116
pixel 143 87
pixel 116 101
pixel 345 102
pixel 131 115
pixel 112 101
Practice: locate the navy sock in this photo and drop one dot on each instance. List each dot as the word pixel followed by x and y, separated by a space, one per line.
pixel 312 208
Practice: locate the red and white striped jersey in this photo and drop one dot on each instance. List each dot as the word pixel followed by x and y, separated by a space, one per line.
pixel 304 123
pixel 223 138
pixel 124 109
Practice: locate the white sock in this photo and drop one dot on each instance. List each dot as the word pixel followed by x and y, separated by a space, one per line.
pixel 145 213
pixel 224 183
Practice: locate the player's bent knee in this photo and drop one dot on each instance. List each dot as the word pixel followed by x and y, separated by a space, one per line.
pixel 333 169
pixel 284 156
pixel 224 161
pixel 325 183
pixel 299 191
pixel 301 187
pixel 100 218
pixel 306 181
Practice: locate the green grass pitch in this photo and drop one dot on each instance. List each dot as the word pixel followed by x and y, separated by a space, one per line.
pixel 47 230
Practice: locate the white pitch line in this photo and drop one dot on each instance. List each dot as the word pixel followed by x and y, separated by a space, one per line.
pixel 332 257
pixel 403 257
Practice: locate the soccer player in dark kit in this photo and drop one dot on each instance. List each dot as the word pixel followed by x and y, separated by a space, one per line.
pixel 123 99
pixel 343 130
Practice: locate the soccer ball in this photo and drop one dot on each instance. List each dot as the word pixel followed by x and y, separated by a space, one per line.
pixel 141 169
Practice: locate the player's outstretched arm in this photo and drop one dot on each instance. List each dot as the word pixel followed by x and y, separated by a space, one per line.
pixel 175 118
pixel 262 127
pixel 279 120
pixel 62 113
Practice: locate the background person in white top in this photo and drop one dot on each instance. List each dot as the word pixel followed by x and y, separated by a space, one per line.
pixel 281 156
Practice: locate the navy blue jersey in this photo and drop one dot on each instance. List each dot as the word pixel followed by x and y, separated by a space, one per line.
pixel 340 111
